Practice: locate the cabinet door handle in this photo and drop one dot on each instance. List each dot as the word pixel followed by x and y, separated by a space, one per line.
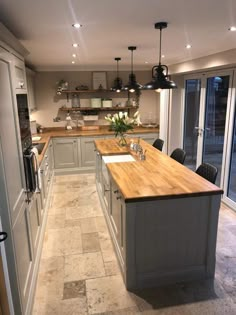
pixel 107 190
pixel 118 197
pixel 3 236
pixel 116 191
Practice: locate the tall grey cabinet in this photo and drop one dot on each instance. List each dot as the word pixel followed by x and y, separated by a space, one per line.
pixel 19 219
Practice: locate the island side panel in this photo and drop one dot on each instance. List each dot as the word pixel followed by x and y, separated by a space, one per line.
pixel 168 241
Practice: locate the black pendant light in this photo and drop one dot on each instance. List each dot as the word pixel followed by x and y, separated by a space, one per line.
pixel 160 77
pixel 132 85
pixel 117 87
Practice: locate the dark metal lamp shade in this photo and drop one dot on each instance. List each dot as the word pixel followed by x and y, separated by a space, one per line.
pixel 117 87
pixel 161 79
pixel 132 85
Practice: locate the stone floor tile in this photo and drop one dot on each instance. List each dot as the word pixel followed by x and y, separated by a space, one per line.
pixel 55 221
pixel 77 306
pixel 50 279
pixel 72 240
pixel 215 307
pixel 74 289
pixel 88 225
pixel 64 200
pixel 125 311
pixel 81 212
pixel 107 294
pixel 101 224
pixel 70 223
pixel 90 242
pixel 84 266
pixel 56 211
pixel 112 268
pixel 50 307
pixel 53 243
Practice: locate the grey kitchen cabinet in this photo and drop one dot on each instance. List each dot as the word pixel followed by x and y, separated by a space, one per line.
pixel 116 214
pixel 30 79
pixel 35 221
pixel 65 152
pixel 88 154
pixel 20 75
pixel 50 159
pixel 148 137
pixel 23 252
pixel 19 219
pixel 46 172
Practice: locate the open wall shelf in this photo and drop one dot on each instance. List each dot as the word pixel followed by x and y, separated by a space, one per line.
pixel 108 109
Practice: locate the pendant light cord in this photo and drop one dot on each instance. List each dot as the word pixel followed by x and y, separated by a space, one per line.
pixel 132 61
pixel 160 46
pixel 117 68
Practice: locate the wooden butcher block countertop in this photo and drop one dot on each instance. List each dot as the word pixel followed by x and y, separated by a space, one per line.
pixel 157 177
pixel 78 132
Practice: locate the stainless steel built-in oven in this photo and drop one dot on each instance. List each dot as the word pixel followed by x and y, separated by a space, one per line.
pixel 30 159
pixel 24 120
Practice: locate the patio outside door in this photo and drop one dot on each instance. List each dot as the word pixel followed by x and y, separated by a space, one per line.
pixel 206 103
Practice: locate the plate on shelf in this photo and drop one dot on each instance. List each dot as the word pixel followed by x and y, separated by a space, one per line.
pixel 37 138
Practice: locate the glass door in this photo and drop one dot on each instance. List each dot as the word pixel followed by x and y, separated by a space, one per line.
pixel 205 119
pixel 231 191
pixel 191 121
pixel 217 90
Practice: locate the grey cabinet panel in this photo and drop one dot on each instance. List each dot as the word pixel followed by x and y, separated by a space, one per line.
pixel 9 139
pixel 20 77
pixel 30 78
pixel 116 212
pixel 34 215
pixel 88 155
pixel 65 151
pixel 23 252
pixel 148 137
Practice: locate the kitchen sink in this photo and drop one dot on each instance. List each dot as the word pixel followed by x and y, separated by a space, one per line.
pixel 39 146
pixel 118 158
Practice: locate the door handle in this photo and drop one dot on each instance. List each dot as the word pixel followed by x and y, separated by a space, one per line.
pixel 199 130
pixel 3 236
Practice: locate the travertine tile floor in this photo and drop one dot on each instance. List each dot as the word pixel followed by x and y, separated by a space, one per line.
pixel 79 274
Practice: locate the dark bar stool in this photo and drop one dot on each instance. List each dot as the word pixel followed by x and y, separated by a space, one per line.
pixel 178 155
pixel 158 144
pixel 208 171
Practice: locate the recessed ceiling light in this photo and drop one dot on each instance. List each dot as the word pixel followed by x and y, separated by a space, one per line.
pixel 74 55
pixel 188 46
pixel 162 56
pixel 75 45
pixel 146 61
pixel 76 25
pixel 232 28
pixel 73 61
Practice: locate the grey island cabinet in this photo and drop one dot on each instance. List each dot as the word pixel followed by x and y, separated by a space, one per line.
pixel 162 217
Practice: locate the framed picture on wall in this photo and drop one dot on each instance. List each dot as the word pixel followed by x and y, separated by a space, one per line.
pixel 99 80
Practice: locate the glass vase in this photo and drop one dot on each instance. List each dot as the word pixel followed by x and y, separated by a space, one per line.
pixel 121 139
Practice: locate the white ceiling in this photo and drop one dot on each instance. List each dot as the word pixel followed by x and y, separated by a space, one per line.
pixel 110 26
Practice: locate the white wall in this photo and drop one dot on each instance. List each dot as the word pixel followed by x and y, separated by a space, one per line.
pixel 176 115
pixel 223 59
pixel 48 103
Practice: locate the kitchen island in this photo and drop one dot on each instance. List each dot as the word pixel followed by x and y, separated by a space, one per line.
pixel 162 217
